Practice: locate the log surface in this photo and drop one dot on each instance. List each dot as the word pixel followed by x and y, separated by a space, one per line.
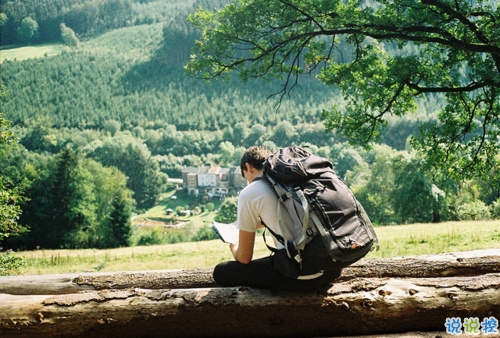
pixel 374 296
pixel 358 306
pixel 472 263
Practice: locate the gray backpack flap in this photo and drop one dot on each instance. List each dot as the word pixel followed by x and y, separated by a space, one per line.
pixel 322 224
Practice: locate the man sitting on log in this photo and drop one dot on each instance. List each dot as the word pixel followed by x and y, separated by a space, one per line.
pixel 258 205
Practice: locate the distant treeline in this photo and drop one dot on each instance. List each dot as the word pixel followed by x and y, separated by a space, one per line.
pixel 135 94
pixel 134 82
pixel 89 17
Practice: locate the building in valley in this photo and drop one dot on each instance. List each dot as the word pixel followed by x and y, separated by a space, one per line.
pixel 212 181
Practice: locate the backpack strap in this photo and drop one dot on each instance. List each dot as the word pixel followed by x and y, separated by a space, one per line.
pixel 305 222
pixel 286 198
pixel 275 235
pixel 287 201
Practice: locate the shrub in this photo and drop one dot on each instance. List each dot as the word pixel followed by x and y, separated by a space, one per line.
pixel 155 237
pixel 205 233
pixel 10 264
pixel 173 238
pixel 495 209
pixel 473 211
pixel 68 36
pixel 210 207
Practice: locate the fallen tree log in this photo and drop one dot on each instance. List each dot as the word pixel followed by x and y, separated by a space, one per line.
pixel 471 263
pixel 372 297
pixel 354 307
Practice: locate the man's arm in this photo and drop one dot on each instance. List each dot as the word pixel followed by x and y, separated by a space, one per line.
pixel 243 250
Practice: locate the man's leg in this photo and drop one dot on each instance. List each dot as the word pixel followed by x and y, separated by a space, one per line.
pixel 258 274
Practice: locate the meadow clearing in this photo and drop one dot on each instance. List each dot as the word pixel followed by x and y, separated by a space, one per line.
pixel 395 241
pixel 31 52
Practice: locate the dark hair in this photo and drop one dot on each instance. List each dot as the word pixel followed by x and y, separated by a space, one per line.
pixel 255 156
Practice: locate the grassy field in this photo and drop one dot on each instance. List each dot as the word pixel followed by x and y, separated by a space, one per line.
pixel 185 226
pixel 395 241
pixel 30 52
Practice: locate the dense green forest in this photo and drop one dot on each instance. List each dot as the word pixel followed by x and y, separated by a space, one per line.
pixel 102 126
pixel 87 17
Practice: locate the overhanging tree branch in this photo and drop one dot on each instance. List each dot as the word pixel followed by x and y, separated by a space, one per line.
pixel 469 88
pixel 454 49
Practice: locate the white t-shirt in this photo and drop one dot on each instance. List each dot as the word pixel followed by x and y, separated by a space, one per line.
pixel 258 201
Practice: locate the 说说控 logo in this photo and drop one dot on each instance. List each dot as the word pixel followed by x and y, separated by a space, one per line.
pixel 471 325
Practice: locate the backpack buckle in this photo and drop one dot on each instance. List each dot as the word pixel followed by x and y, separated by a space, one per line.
pixel 285 196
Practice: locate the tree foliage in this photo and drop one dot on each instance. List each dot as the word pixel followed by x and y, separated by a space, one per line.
pixel 10 263
pixel 135 160
pixel 227 212
pixel 73 202
pixel 120 226
pixel 11 196
pixel 90 17
pixel 68 36
pixel 28 31
pixel 416 196
pixel 441 46
pixel 73 209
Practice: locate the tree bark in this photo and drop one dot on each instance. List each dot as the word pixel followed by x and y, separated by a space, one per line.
pixel 156 303
pixel 471 263
pixel 357 306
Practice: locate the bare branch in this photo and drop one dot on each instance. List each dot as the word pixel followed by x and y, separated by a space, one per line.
pixel 455 13
pixel 469 88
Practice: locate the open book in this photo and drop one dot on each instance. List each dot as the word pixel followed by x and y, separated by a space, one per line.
pixel 228 233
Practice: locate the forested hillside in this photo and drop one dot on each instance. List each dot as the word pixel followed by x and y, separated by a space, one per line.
pixel 104 123
pixel 87 17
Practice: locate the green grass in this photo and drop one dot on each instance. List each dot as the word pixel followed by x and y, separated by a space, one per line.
pixel 183 200
pixel 395 241
pixel 422 239
pixel 31 52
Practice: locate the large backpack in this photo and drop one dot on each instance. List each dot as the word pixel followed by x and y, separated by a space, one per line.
pixel 322 225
